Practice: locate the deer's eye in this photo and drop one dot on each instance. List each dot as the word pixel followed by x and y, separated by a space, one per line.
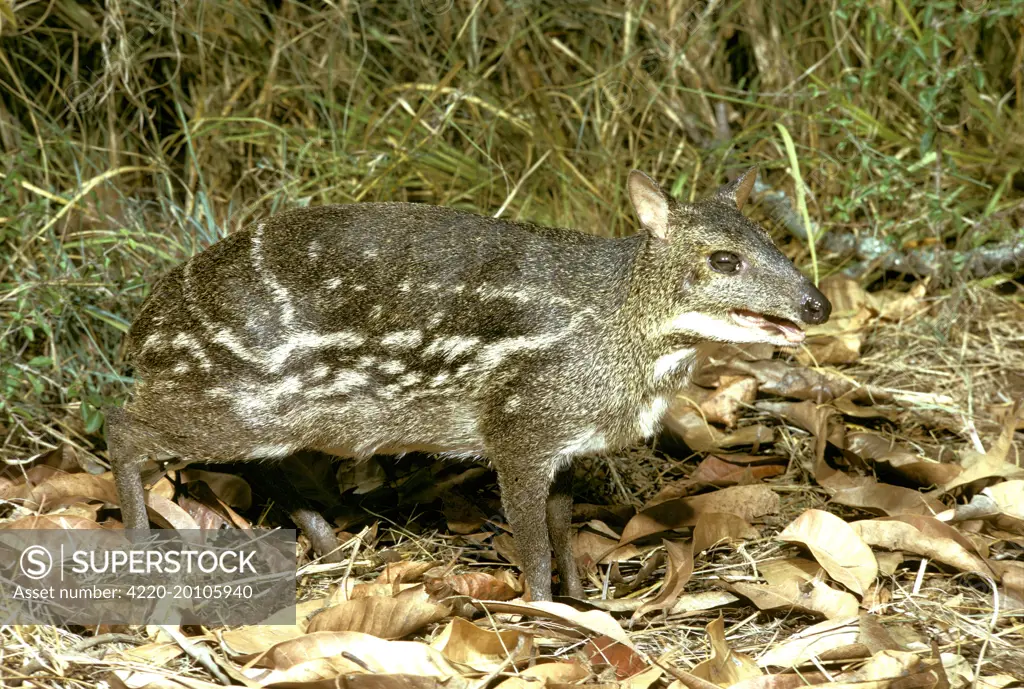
pixel 725 262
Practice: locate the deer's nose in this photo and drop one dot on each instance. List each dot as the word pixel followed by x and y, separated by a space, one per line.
pixel 815 307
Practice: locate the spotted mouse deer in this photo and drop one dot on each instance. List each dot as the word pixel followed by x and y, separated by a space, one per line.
pixel 395 327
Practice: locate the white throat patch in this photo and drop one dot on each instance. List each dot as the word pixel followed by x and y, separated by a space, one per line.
pixel 668 363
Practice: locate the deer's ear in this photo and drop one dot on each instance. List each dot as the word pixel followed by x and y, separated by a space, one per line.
pixel 738 191
pixel 650 203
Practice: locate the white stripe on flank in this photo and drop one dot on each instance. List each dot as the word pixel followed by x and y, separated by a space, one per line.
pixel 278 292
pixel 308 340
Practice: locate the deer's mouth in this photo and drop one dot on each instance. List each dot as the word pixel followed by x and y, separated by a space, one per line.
pixel 771 325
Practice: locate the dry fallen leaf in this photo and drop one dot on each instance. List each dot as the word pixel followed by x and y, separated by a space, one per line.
pixel 167 515
pixel 482 649
pixel 776 377
pixel 993 463
pixel 816 640
pixel 921 471
pixel 677 575
pixel 130 679
pixel 59 487
pixel 232 489
pixel 361 653
pixel 873 496
pixel 836 546
pixel 722 471
pixel 596 622
pixel 546 674
pixel 995 681
pixel 896 668
pixel 796 583
pixel 591 548
pixel 478 585
pixel 688 423
pixel 388 618
pixel 895 534
pixel 247 642
pixel 52 521
pixel 821 350
pixel 404 571
pixel 604 651
pixel 724 666
pixel 747 502
pixel 714 528
pixel 723 404
pixel 1009 498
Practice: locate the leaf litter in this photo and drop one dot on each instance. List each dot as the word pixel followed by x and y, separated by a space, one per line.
pixel 847 513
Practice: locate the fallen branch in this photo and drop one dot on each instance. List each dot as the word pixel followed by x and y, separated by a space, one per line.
pixel 873 253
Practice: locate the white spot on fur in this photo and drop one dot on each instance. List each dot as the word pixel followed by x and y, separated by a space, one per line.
pixel 435 320
pixel 314 250
pixel 370 253
pixel 344 381
pixel 153 341
pixel 402 339
pixel 376 311
pixel 394 367
pixel 195 348
pixel 649 420
pixel 439 379
pixel 319 371
pixel 404 286
pixel 390 391
pixel 359 288
pixel 366 361
pixel 518 295
pixel 512 403
pixel 182 368
pixel 670 362
pixel 333 283
pixel 451 347
pixel 255 402
pixel 287 386
pixel 409 379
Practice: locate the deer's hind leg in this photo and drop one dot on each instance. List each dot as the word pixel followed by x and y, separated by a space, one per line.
pixel 128 444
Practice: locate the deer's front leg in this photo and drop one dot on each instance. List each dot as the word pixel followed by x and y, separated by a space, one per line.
pixel 559 509
pixel 524 490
